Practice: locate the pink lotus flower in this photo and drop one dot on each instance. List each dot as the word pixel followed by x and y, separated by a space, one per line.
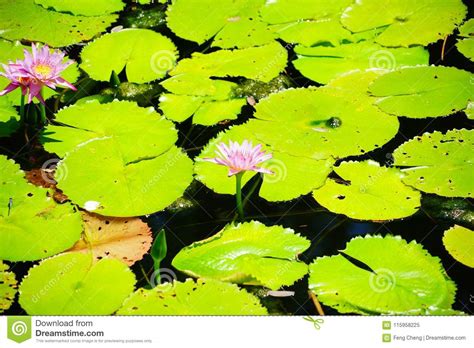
pixel 240 158
pixel 16 79
pixel 39 68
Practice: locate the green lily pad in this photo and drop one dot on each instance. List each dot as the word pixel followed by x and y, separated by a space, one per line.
pixel 26 20
pixel 203 297
pixel 363 194
pixel 72 284
pixel 405 279
pixel 135 172
pixel 324 63
pixel 121 122
pixel 8 287
pixel 293 176
pixel 406 22
pixel 8 118
pixel 258 63
pixel 247 253
pixel 466 45
pixel 121 189
pixel 439 163
pixel 308 22
pixel 208 101
pixel 470 110
pixel 83 7
pixel 426 91
pixel 354 85
pixel 145 54
pixel 11 51
pixel 30 219
pixel 233 23
pixel 459 242
pixel 317 123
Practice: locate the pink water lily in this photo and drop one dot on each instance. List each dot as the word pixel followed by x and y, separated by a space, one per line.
pixel 241 158
pixel 39 68
pixel 11 72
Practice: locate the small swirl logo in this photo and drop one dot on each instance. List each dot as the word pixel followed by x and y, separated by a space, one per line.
pixel 162 61
pixel 382 59
pixel 389 159
pixel 19 328
pixel 382 280
pixel 51 168
pixel 162 276
pixel 279 171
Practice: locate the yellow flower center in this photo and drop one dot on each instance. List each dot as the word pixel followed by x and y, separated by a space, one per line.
pixel 43 70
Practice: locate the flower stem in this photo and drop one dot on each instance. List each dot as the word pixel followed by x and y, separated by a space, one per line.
pixel 22 109
pixel 238 195
pixel 43 114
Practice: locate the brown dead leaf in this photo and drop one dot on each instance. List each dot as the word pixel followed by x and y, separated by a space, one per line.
pixel 45 178
pixel 126 239
pixel 41 177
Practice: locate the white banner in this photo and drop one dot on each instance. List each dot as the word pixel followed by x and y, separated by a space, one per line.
pixel 229 332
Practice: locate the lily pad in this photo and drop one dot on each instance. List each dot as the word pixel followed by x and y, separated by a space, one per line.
pixel 406 22
pixel 258 63
pixel 459 241
pixel 30 219
pixel 145 54
pixel 324 63
pixel 208 101
pixel 203 297
pixel 308 22
pixel 124 239
pixel 83 7
pixel 402 278
pixel 466 45
pixel 25 20
pixel 247 253
pixel 354 84
pixel 11 51
pixel 233 23
pixel 73 284
pixel 293 176
pixel 8 118
pixel 119 121
pixel 470 110
pixel 439 163
pixel 363 194
pixel 135 172
pixel 426 91
pixel 317 123
pixel 8 287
